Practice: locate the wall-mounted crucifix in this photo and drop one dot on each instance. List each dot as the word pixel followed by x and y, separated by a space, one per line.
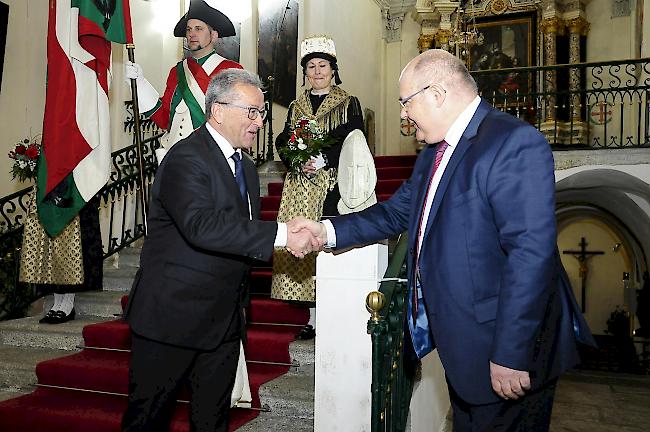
pixel 583 256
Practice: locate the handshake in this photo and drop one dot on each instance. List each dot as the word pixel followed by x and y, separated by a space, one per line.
pixel 305 236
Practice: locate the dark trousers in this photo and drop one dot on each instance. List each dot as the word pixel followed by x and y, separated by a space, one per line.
pixel 155 374
pixel 532 413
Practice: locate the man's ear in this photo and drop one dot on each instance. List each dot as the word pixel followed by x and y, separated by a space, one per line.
pixel 214 35
pixel 439 92
pixel 216 112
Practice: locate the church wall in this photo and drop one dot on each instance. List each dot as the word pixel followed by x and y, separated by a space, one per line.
pixel 22 97
pixel 604 286
pixel 609 38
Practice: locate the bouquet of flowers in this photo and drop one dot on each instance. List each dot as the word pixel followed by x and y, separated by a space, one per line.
pixel 307 141
pixel 25 156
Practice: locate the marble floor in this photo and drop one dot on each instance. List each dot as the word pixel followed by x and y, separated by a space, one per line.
pixel 588 401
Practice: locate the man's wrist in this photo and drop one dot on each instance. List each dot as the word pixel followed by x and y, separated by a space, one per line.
pixel 330 241
pixel 281 235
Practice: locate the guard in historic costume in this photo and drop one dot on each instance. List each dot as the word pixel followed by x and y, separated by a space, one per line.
pixel 182 107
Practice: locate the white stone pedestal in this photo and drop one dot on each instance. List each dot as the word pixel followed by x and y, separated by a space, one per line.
pixel 343 347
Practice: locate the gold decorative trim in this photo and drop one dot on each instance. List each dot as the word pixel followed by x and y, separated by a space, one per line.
pixel 425 42
pixel 553 25
pixel 499 6
pixel 579 25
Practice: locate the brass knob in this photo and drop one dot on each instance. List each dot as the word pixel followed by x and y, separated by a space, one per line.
pixel 375 302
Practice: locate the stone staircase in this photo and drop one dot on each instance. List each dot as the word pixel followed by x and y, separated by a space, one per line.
pixel 287 401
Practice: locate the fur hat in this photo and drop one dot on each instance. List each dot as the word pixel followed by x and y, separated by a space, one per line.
pixel 319 47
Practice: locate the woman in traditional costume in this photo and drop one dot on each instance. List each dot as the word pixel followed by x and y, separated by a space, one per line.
pixel 313 192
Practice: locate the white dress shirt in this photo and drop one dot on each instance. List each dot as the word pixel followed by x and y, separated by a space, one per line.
pixel 228 150
pixel 452 137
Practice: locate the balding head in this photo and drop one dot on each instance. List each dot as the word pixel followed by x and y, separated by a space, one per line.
pixel 440 66
pixel 435 88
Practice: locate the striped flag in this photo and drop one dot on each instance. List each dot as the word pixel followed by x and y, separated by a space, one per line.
pixel 75 161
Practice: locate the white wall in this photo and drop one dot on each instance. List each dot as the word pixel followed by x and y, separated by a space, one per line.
pixel 22 97
pixel 610 38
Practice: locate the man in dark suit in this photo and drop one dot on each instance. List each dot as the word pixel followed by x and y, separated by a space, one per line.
pixel 185 309
pixel 486 284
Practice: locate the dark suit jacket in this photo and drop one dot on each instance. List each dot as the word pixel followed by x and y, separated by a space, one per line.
pixel 492 280
pixel 198 249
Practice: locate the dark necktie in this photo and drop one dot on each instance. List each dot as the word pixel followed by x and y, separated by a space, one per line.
pixel 418 331
pixel 239 177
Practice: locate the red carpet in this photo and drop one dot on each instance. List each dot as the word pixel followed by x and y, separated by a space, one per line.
pixel 99 371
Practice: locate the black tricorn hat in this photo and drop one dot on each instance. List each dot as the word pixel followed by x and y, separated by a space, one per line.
pixel 200 10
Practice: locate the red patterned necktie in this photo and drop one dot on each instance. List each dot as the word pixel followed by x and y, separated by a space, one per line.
pixel 440 151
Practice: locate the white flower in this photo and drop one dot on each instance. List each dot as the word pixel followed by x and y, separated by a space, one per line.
pixel 302 145
pixel 22 164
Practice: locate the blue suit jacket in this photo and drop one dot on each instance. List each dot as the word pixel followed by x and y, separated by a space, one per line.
pixel 492 280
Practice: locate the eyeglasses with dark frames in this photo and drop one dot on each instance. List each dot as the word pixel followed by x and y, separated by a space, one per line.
pixel 407 99
pixel 253 111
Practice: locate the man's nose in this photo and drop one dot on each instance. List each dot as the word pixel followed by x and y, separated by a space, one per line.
pixel 258 121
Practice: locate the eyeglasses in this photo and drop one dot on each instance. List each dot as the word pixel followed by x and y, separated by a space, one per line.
pixel 407 99
pixel 253 112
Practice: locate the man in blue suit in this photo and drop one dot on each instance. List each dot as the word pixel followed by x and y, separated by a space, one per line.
pixel 486 284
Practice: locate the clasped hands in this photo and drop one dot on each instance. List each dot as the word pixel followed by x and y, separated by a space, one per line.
pixel 305 236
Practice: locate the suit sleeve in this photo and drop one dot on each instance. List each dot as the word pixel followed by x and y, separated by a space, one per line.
pixel 206 222
pixel 521 194
pixel 377 222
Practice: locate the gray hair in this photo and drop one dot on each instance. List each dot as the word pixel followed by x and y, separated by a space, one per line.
pixel 440 66
pixel 222 86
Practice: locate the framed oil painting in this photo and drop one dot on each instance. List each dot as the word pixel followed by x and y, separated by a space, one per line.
pixel 509 41
pixel 278 45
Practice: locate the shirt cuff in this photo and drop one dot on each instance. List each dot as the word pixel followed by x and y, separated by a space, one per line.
pixel 331 234
pixel 281 235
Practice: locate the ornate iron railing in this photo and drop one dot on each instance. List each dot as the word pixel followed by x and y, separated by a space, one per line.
pixel 121 220
pixel 14 297
pixel 577 106
pixel 121 212
pixel 393 365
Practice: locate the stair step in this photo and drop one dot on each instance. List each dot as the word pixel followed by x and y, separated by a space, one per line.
pixel 127 257
pixel 120 283
pixel 93 303
pixel 265 342
pixel 387 186
pixel 395 161
pixel 28 332
pixel 106 371
pixel 260 280
pixel 392 173
pixel 275 189
pixel 275 422
pixel 17 366
pixel 291 396
pixel 270 202
pixel 269 215
pixel 267 310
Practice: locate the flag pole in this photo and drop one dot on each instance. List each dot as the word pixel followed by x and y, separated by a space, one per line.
pixel 142 196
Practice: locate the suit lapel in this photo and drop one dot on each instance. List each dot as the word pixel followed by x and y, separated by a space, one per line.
pixel 223 169
pixel 251 181
pixel 466 140
pixel 428 156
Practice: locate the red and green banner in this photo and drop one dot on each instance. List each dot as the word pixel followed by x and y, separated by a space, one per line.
pixel 75 161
